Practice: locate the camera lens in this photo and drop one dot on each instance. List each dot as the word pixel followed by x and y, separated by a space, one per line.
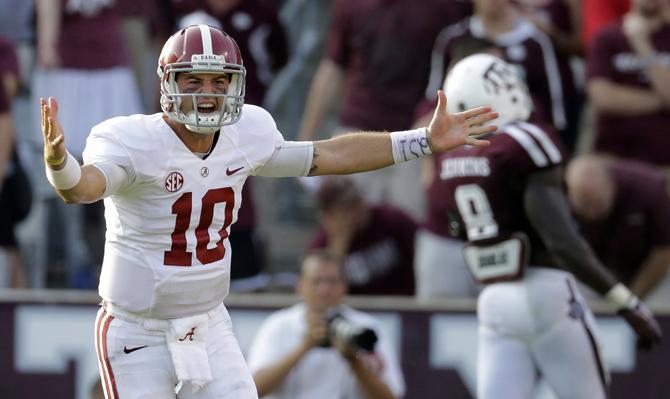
pixel 359 337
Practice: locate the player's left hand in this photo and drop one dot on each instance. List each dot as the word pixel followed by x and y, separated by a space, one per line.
pixel 447 131
pixel 644 324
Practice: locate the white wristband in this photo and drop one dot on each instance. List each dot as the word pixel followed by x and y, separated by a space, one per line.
pixel 66 178
pixel 621 296
pixel 410 144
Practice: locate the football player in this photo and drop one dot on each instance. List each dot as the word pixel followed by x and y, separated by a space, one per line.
pixel 506 200
pixel 171 184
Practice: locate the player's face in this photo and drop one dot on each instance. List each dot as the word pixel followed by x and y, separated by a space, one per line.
pixel 321 284
pixel 202 83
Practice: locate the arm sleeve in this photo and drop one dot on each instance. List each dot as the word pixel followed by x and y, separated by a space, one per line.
pixel 116 177
pixel 548 212
pixel 290 159
pixel 109 156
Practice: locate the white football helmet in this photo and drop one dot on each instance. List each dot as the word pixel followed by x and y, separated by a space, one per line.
pixel 201 49
pixel 484 79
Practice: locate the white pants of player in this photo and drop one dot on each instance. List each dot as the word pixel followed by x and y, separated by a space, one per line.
pixel 538 324
pixel 148 373
pixel 440 269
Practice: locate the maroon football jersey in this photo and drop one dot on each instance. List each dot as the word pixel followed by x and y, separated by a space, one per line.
pixel 642 137
pixel 91 36
pixel 525 47
pixel 384 46
pixel 477 192
pixel 381 256
pixel 638 222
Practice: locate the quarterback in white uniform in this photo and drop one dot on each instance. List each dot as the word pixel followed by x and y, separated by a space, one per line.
pixel 171 183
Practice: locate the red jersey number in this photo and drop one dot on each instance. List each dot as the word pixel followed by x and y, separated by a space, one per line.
pixel 182 207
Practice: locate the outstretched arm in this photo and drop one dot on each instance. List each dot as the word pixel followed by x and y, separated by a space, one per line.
pixel 360 152
pixel 73 183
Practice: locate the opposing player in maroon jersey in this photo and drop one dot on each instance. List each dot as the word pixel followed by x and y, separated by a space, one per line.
pixel 507 202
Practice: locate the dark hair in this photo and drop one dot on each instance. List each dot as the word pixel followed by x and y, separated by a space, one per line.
pixel 336 190
pixel 325 256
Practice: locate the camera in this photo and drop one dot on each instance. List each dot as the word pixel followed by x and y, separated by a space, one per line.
pixel 359 337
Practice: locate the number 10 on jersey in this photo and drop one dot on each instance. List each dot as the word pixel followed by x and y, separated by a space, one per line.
pixel 182 207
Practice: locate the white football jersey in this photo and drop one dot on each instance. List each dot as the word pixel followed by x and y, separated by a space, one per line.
pixel 167 252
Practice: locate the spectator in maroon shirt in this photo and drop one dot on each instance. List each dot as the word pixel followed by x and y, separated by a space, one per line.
pixel 624 211
pixel 520 43
pixel 628 73
pixel 376 66
pixel 377 242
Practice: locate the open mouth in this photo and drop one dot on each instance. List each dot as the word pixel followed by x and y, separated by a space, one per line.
pixel 206 108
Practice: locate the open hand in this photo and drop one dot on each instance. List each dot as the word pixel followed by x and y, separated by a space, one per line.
pixel 54 139
pixel 447 131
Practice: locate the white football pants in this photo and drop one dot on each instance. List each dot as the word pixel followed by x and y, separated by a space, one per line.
pixel 440 269
pixel 539 325
pixel 134 360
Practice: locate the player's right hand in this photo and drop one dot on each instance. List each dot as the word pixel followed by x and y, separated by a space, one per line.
pixel 52 131
pixel 644 324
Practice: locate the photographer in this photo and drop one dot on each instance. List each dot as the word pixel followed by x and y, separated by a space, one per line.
pixel 303 351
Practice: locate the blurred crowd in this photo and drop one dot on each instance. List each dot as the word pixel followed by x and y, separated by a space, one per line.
pixel 598 72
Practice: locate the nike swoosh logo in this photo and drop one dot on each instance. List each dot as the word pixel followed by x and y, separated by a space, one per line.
pixel 231 172
pixel 131 350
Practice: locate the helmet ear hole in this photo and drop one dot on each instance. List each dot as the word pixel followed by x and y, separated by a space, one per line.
pixel 461 106
pixel 514 100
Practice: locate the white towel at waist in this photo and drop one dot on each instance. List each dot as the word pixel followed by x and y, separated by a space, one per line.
pixel 186 342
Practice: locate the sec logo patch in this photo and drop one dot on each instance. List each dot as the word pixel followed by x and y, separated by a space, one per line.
pixel 174 182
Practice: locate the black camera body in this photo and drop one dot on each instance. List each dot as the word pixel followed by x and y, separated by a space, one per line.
pixel 340 328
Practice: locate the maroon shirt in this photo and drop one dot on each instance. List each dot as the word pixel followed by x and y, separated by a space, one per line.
pixel 491 183
pixel 384 48
pixel 91 37
pixel 525 47
pixel 380 259
pixel 8 59
pixel 638 222
pixel 643 137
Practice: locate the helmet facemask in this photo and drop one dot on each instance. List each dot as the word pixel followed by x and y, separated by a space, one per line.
pixel 196 121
